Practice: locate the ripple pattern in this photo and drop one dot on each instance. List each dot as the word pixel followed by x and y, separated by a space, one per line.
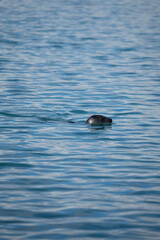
pixel 60 62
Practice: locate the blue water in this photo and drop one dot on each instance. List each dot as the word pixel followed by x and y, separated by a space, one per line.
pixel 60 62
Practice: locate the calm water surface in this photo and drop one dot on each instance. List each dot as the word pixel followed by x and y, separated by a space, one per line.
pixel 60 62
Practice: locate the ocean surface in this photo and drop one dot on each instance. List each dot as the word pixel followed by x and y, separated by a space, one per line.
pixel 60 62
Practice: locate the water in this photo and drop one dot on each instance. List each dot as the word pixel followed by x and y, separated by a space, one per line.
pixel 60 62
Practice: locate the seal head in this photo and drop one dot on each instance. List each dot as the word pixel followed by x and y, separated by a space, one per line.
pixel 99 120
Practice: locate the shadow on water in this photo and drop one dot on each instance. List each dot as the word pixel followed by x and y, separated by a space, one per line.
pixel 97 128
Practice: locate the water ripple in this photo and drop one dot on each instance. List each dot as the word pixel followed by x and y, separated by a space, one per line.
pixel 61 62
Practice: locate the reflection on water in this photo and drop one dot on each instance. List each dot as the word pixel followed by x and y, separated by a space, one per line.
pixel 61 62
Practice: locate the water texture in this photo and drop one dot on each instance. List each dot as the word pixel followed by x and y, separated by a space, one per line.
pixel 60 62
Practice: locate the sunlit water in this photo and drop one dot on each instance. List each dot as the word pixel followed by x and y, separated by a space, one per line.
pixel 60 62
